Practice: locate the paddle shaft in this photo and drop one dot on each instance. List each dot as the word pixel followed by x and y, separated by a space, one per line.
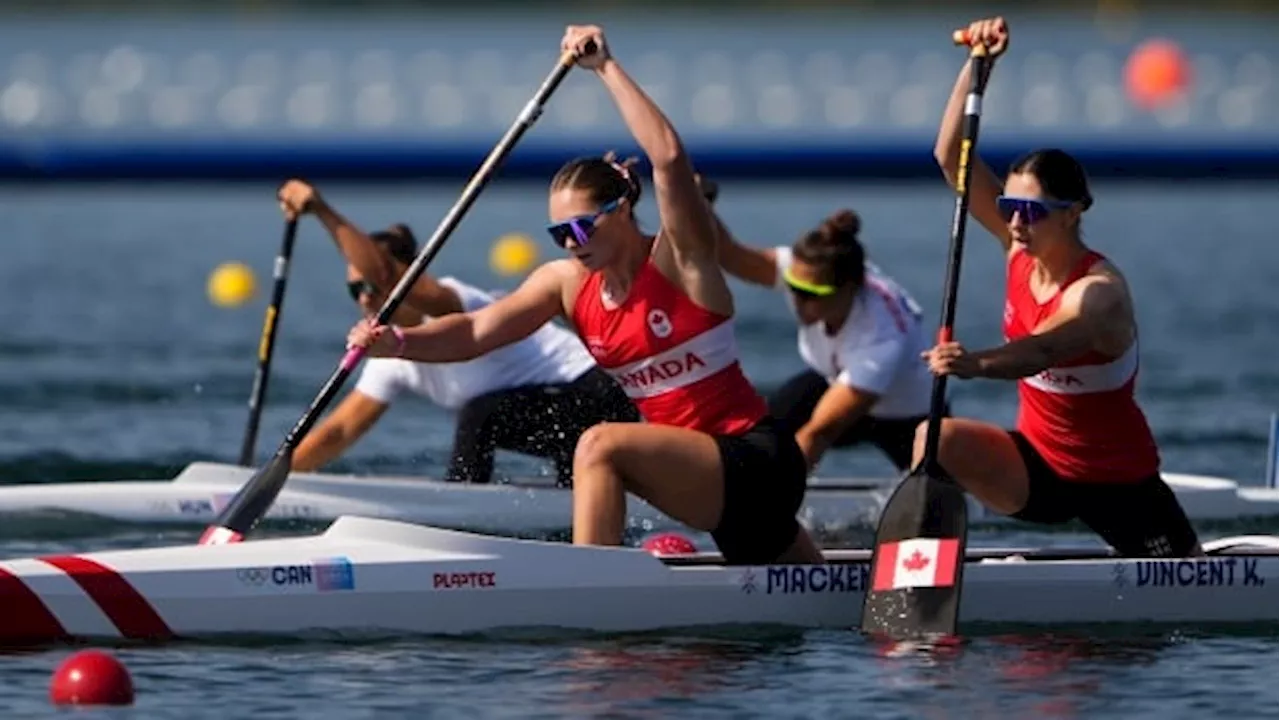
pixel 917 566
pixel 253 500
pixel 979 66
pixel 267 344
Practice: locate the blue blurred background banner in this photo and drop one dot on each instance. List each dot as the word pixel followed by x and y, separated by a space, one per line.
pixel 395 91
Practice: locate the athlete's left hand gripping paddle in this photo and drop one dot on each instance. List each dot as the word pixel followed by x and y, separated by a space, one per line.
pixel 253 500
pixel 918 561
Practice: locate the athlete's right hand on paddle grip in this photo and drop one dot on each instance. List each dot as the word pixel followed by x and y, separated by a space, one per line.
pixel 297 197
pixel 587 44
pixel 377 340
pixel 991 32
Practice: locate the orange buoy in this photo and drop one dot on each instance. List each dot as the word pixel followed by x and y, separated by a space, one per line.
pixel 1157 73
pixel 91 677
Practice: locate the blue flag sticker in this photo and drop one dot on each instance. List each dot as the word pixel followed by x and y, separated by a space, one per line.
pixel 334 573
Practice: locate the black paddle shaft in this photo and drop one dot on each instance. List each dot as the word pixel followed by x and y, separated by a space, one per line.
pixel 267 344
pixel 926 517
pixel 979 69
pixel 253 500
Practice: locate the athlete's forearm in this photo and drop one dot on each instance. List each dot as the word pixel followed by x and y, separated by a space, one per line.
pixel 839 409
pixel 812 445
pixel 650 127
pixel 745 263
pixel 320 447
pixel 443 340
pixel 1014 360
pixel 357 248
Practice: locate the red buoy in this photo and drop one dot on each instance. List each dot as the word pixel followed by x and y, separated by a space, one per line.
pixel 669 543
pixel 91 677
pixel 1157 73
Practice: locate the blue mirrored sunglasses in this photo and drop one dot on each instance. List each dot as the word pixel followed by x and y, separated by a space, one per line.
pixel 580 228
pixel 1031 210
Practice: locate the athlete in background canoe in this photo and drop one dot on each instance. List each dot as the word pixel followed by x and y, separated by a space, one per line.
pixel 860 334
pixel 1082 448
pixel 657 314
pixel 535 397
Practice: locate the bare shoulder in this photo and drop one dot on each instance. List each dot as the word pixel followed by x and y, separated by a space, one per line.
pixel 563 278
pixel 1101 293
pixel 559 270
pixel 1103 287
pixel 1102 299
pixel 544 285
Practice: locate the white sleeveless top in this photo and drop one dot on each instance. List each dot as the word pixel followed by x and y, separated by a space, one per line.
pixel 877 349
pixel 551 355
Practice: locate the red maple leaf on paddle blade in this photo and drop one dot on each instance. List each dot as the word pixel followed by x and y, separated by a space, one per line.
pixel 916 562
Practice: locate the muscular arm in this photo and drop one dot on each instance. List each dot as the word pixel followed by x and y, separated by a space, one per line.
pixel 338 431
pixel 379 268
pixel 754 265
pixel 837 410
pixel 984 187
pixel 686 219
pixel 1094 315
pixel 513 317
pixel 869 362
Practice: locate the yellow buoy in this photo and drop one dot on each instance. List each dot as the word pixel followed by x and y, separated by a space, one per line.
pixel 231 284
pixel 513 254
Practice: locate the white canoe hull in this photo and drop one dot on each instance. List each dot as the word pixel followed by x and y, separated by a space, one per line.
pixel 370 577
pixel 201 490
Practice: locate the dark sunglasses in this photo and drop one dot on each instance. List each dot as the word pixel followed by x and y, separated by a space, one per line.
pixel 580 228
pixel 356 288
pixel 1030 210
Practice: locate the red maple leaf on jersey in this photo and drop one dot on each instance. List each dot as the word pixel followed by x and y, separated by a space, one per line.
pixel 916 562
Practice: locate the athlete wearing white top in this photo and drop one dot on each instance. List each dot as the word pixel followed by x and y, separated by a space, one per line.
pixel 550 356
pixel 536 396
pixel 876 350
pixel 860 334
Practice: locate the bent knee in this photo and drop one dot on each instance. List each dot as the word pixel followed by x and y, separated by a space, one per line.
pixel 599 444
pixel 947 435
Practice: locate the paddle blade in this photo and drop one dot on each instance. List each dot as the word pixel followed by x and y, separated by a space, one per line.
pixel 251 503
pixel 918 560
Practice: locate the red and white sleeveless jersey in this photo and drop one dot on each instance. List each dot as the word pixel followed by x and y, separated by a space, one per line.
pixel 677 361
pixel 1081 416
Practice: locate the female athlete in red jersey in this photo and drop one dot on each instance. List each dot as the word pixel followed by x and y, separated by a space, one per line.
pixel 657 314
pixel 1082 448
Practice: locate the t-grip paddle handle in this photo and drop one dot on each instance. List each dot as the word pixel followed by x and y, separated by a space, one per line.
pixel 569 57
pixel 964 38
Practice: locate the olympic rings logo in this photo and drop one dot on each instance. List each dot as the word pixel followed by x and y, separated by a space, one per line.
pixel 253 576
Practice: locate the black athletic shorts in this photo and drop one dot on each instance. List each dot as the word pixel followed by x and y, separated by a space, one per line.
pixel 765 476
pixel 1138 519
pixel 543 421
